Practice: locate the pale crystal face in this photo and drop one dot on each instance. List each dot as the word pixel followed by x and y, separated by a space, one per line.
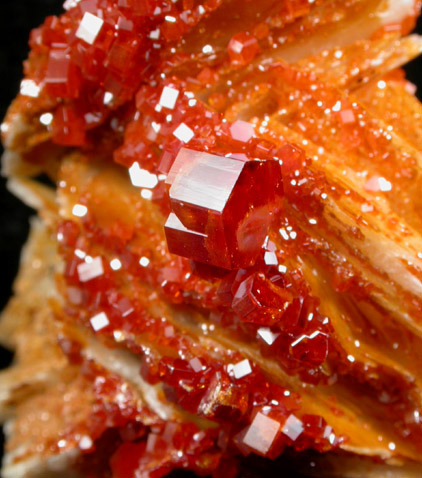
pixel 85 443
pixel 270 258
pixel 242 131
pixel 29 88
pixel 183 133
pixel 99 321
pixel 141 178
pixel 89 28
pixel 90 270
pixel 206 180
pixel 293 427
pixel 267 335
pixel 219 196
pixel 79 210
pixel 196 364
pixel 261 433
pixel 169 97
pixel 242 369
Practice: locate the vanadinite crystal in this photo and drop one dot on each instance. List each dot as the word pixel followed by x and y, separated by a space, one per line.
pixel 259 301
pixel 222 207
pixel 243 48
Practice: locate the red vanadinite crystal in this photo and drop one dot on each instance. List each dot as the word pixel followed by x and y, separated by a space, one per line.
pixel 62 78
pixel 68 127
pixel 222 207
pixel 243 48
pixel 259 301
pixel 311 349
pixel 166 448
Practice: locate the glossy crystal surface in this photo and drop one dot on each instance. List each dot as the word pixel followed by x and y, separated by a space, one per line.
pixel 243 48
pixel 259 301
pixel 261 433
pixel 217 197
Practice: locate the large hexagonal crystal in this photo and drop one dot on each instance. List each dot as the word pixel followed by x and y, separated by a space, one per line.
pixel 222 207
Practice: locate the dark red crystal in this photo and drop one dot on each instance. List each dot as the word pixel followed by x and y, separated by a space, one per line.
pixel 259 301
pixel 222 207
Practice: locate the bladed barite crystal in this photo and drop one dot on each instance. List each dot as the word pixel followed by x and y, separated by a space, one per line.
pixel 222 207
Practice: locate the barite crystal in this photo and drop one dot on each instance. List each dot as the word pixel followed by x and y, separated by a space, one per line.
pixel 223 205
pixel 275 205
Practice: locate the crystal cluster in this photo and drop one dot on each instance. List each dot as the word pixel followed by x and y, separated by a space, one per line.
pixel 221 228
pixel 97 55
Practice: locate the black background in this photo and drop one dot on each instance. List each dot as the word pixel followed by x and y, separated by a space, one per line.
pixel 17 18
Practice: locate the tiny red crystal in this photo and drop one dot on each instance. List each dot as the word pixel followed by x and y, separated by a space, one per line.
pixel 243 48
pixel 259 301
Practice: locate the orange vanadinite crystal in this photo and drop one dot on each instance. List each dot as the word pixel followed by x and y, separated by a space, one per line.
pixel 243 48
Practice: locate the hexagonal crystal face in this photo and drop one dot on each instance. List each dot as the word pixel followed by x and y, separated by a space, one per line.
pixel 223 204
